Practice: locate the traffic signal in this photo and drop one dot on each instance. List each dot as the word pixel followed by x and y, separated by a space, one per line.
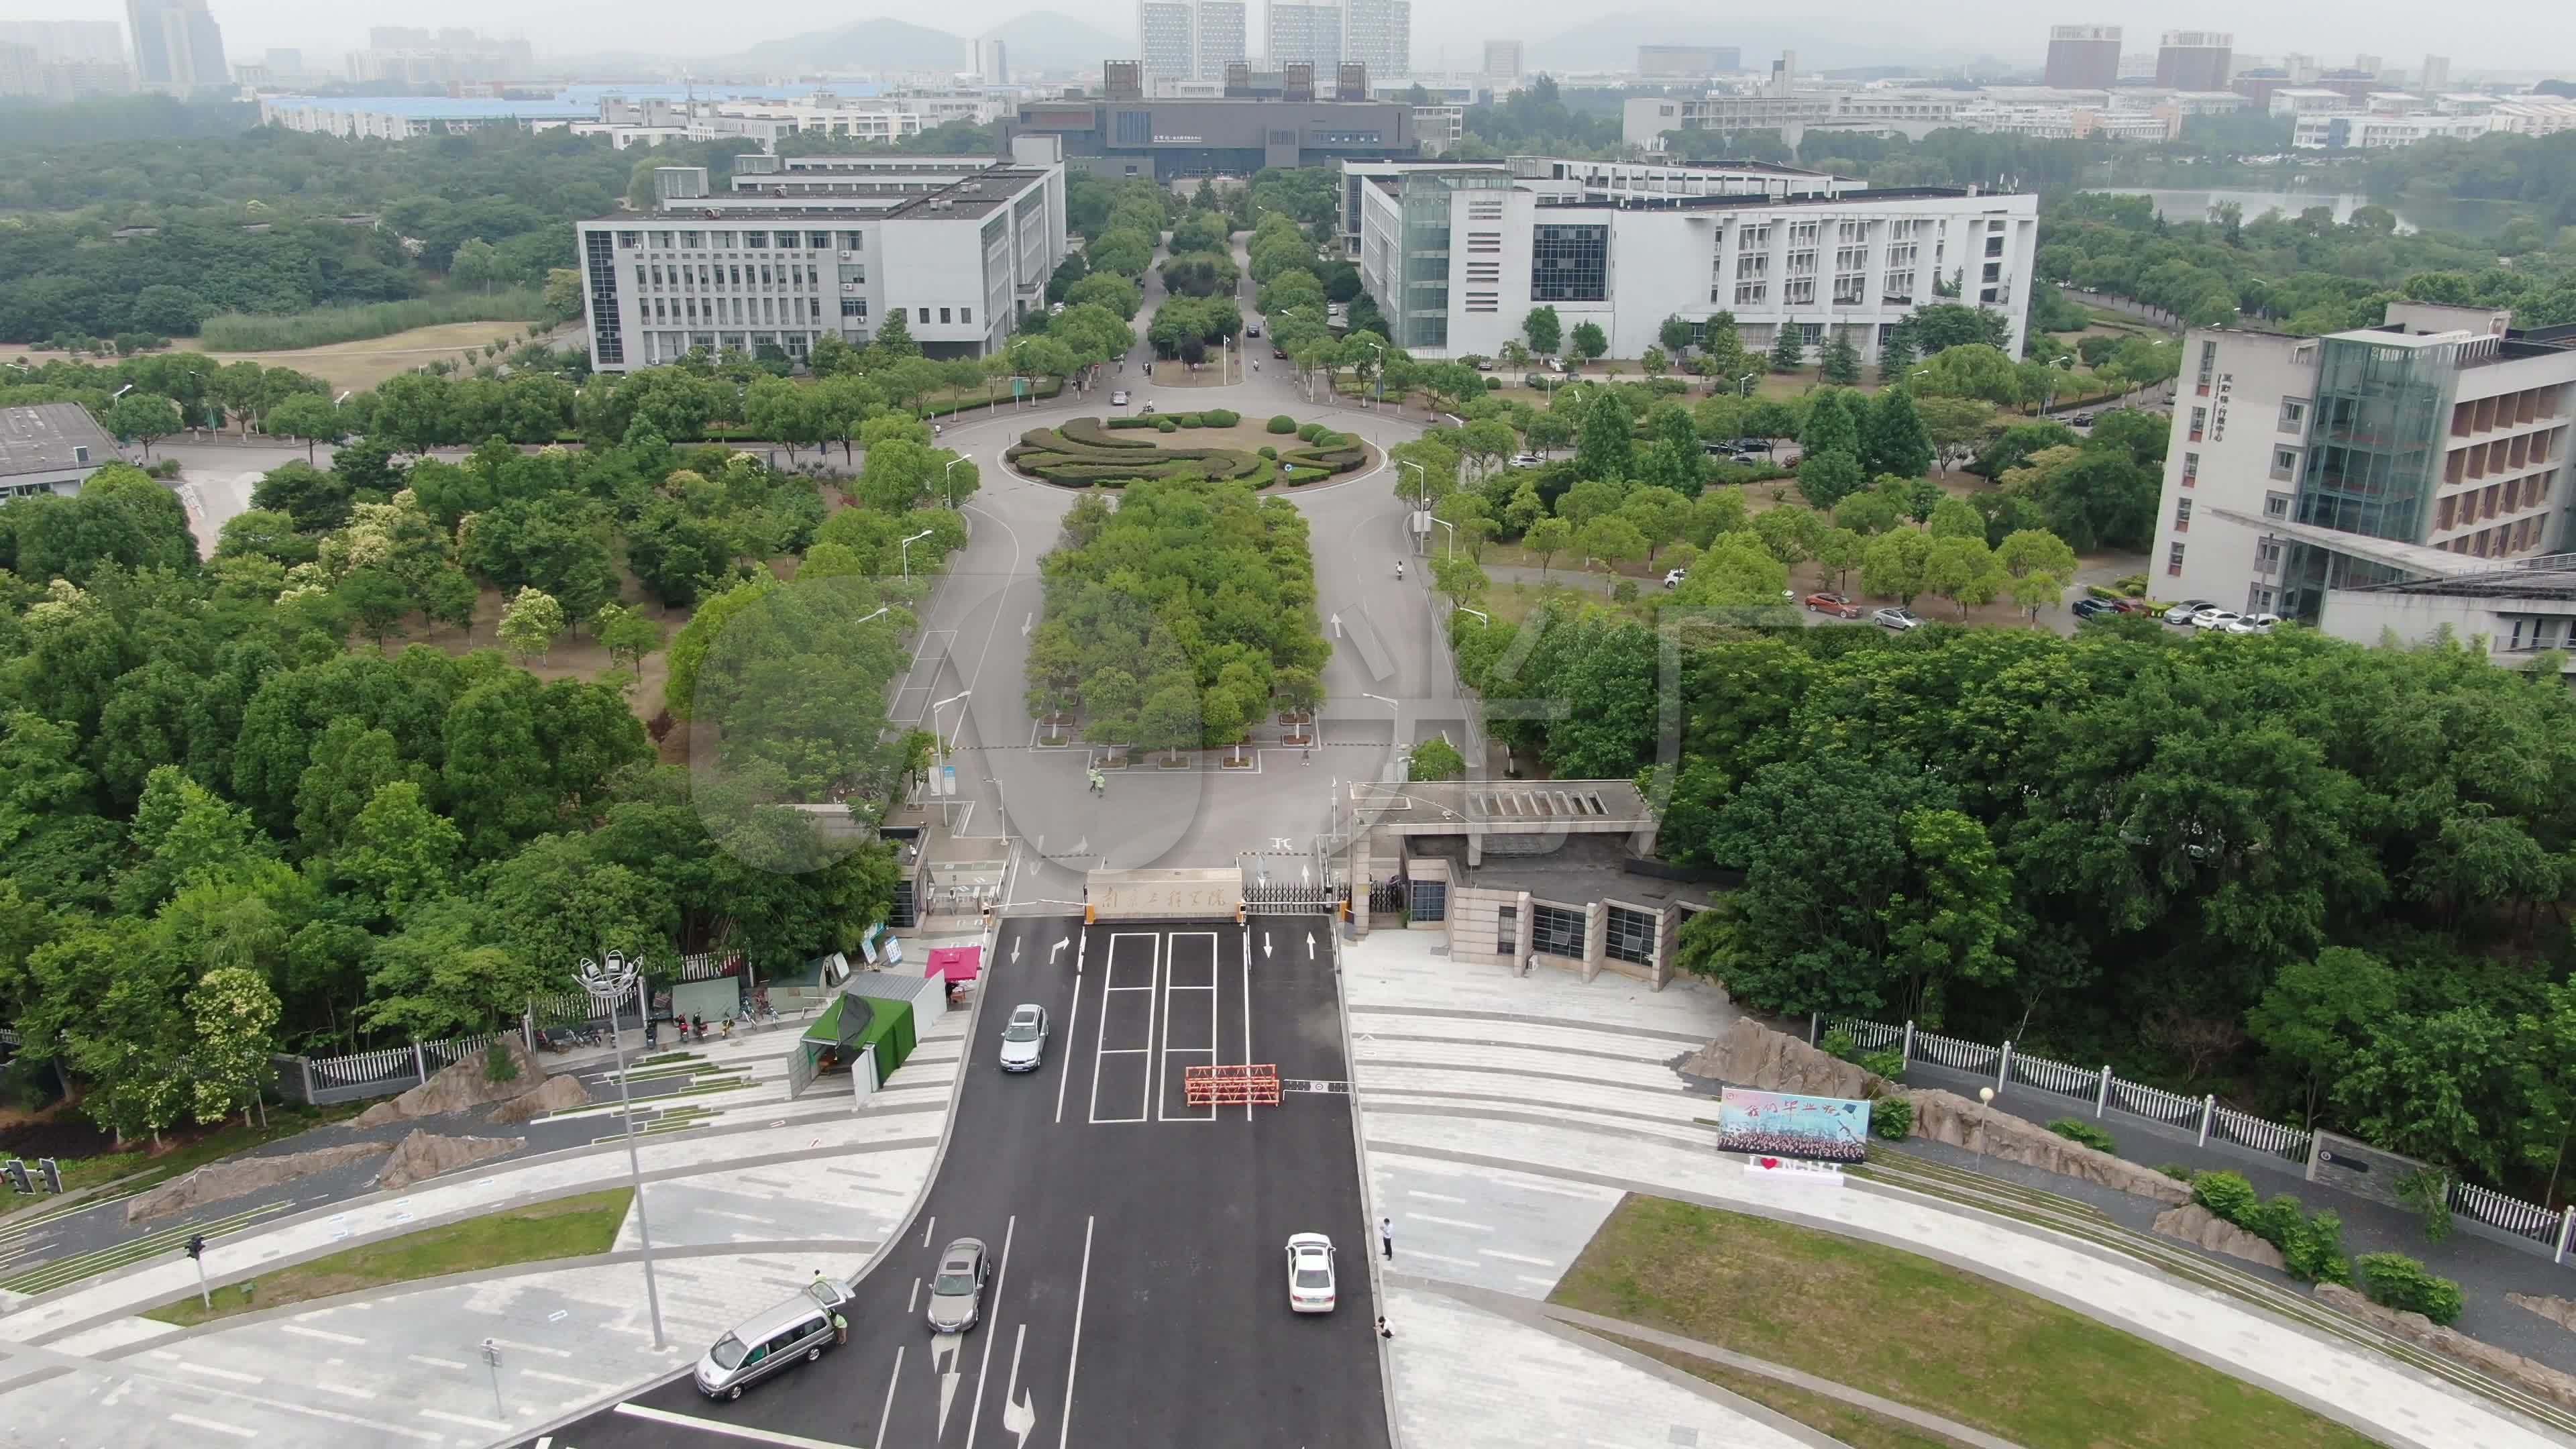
pixel 196 1245
pixel 17 1171
pixel 53 1172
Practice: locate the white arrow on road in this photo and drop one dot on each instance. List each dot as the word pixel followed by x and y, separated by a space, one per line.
pixel 943 1352
pixel 1025 625
pixel 1057 949
pixel 1015 950
pixel 1310 945
pixel 1337 626
pixel 1018 1415
pixel 1265 945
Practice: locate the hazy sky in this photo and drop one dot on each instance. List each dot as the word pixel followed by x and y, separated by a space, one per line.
pixel 2497 34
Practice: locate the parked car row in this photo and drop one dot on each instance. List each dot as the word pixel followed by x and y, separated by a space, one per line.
pixel 2202 614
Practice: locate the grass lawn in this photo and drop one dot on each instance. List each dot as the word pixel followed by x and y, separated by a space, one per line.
pixel 1857 1428
pixel 564 1228
pixel 139 1167
pixel 1909 1329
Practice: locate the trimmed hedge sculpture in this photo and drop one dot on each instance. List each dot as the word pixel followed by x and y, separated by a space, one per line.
pixel 1081 452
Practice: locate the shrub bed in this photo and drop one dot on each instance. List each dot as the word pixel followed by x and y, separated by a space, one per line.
pixel 1080 452
pixel 1283 424
pixel 2397 1281
pixel 1220 417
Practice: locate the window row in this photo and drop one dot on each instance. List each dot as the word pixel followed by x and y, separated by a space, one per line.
pixel 742 311
pixel 738 274
pixel 2458 510
pixel 693 241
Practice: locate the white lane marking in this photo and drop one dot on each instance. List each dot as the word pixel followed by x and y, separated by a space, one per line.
pixel 1452 1222
pixel 731 1431
pixel 1171 983
pixel 1536 1281
pixel 886 1410
pixel 912 1300
pixel 211 1371
pixel 446 1363
pixel 1411 1253
pixel 926 1227
pixel 1247 1008
pixel 1435 1197
pixel 1516 1257
pixel 1015 1420
pixel 984 1371
pixel 345 1390
pixel 193 1422
pixel 1073 1360
pixel 300 1331
pixel 1063 1071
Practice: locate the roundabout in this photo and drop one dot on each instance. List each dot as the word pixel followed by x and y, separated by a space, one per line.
pixel 1280 452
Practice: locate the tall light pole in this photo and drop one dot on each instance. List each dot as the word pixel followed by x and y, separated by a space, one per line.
pixel 1395 733
pixel 943 479
pixel 1744 384
pixel 1421 478
pixel 1380 350
pixel 939 705
pixel 1479 613
pixel 608 982
pixel 1453 535
pixel 903 552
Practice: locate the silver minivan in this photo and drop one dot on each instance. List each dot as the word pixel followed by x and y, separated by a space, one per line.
pixel 796 1331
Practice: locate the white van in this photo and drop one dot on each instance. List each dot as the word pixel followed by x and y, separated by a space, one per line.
pixel 796 1331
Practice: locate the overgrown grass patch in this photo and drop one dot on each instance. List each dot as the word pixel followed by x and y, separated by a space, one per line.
pixel 568 1227
pixel 1921 1333
pixel 286 331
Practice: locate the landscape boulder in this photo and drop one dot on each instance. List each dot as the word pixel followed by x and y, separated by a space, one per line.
pixel 559 1094
pixel 466 1084
pixel 224 1181
pixel 2538 1378
pixel 1951 1118
pixel 426 1154
pixel 2202 1228
pixel 1750 1054
pixel 2557 1310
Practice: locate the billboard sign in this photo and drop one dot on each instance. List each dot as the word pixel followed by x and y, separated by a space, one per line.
pixel 1781 1124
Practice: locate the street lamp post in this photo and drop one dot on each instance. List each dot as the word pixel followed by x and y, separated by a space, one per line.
pixel 1421 478
pixel 1488 619
pixel 943 479
pixel 1453 535
pixel 1380 380
pixel 1744 384
pixel 1395 733
pixel 903 552
pixel 608 982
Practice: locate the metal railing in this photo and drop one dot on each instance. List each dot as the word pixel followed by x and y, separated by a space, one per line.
pixel 2200 1115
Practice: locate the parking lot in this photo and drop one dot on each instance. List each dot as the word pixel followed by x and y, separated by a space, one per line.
pixel 1138 1288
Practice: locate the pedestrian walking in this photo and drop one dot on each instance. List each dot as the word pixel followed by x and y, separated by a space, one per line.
pixel 1382 1330
pixel 841 1328
pixel 1386 1238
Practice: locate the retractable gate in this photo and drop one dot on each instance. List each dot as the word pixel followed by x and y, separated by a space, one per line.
pixel 1290 885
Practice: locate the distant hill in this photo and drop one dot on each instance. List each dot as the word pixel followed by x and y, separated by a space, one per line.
pixel 1042 40
pixel 1047 40
pixel 878 44
pixel 1610 43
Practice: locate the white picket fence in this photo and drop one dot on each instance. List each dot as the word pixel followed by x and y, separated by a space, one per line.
pixel 362 1066
pixel 2203 1115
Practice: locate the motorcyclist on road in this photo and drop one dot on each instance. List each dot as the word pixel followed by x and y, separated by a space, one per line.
pixel 1399 568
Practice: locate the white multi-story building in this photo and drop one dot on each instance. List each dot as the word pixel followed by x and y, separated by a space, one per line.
pixel 1223 35
pixel 1909 113
pixel 2376 132
pixel 992 61
pixel 799 248
pixel 865 118
pixel 1190 40
pixel 1304 35
pixel 1503 62
pixel 1379 34
pixel 2303 467
pixel 1457 254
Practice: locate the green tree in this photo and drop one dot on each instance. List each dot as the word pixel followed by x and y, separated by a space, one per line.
pixel 1894 565
pixel 140 417
pixel 1613 540
pixel 1963 570
pixel 1830 426
pixel 234 1015
pixel 1606 449
pixel 1435 759
pixel 1828 478
pixel 626 634
pixel 1547 538
pixel 1839 364
pixel 1788 348
pixel 1587 341
pixel 307 419
pixel 1544 331
pixel 2317 1012
pixel 531 623
pixel 1892 436
pixel 400 852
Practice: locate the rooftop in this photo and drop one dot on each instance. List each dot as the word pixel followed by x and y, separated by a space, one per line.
pixel 1874 196
pixel 42 438
pixel 2551 576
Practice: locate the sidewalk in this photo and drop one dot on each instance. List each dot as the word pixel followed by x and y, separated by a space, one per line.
pixel 1503 1117
pixel 2485 1269
pixel 740 1220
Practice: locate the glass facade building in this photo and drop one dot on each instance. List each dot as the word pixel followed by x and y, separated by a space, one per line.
pixel 1423 270
pixel 2374 458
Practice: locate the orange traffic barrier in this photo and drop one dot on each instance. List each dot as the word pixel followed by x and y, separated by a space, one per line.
pixel 1232 1085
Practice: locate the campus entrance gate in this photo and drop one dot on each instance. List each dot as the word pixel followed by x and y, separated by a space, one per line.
pixel 1285 884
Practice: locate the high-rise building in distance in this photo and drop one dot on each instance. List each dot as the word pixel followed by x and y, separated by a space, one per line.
pixel 1379 34
pixel 1503 59
pixel 1189 39
pixel 1303 34
pixel 2437 75
pixel 68 42
pixel 2195 60
pixel 2083 57
pixel 1223 31
pixel 992 61
pixel 178 48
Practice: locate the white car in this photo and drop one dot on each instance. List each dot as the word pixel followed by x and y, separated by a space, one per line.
pixel 2214 618
pixel 1024 1038
pixel 2181 613
pixel 1673 578
pixel 1310 1273
pixel 1524 460
pixel 1899 620
pixel 2253 624
pixel 1118 398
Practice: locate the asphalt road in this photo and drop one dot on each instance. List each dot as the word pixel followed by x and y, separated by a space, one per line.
pixel 1139 1295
